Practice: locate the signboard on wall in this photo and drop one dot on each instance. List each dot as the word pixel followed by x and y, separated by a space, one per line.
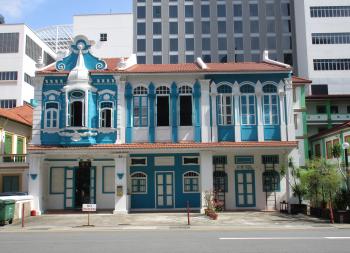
pixel 89 207
pixel 119 190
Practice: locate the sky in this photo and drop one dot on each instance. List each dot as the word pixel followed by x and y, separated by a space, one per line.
pixel 42 13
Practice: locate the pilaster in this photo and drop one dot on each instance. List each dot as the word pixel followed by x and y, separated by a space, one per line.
pixel 121 197
pixel 121 117
pixel 174 129
pixel 237 114
pixel 259 111
pixel 197 112
pixel 128 101
pixel 37 114
pixel 214 127
pixel 206 174
pixel 205 110
pixel 35 182
pixel 151 127
pixel 289 109
pixel 281 94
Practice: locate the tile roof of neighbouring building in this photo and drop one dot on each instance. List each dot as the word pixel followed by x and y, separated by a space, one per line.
pixel 21 114
pixel 186 145
pixel 298 80
pixel 325 97
pixel 331 130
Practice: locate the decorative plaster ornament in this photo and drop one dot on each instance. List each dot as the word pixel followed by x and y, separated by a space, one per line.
pixel 33 176
pixel 120 175
pixel 76 137
pixel 51 97
pixel 106 97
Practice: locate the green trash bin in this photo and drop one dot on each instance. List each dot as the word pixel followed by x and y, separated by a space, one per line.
pixel 7 211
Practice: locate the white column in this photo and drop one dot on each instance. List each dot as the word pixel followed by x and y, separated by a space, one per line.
pixel 283 119
pixel 206 170
pixel 35 182
pixel 121 184
pixel 205 110
pixel 120 109
pixel 214 129
pixel 289 109
pixel 37 111
pixel 237 112
pixel 258 90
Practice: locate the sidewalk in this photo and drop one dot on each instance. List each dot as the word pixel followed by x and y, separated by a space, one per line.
pixel 152 221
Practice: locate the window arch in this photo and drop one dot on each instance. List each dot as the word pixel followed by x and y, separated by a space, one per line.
pixel 51 115
pixel 140 107
pixel 163 106
pixel 138 183
pixel 270 105
pixel 248 111
pixel 106 114
pixel 162 90
pixel 191 182
pixel 224 101
pixel 185 104
pixel 76 109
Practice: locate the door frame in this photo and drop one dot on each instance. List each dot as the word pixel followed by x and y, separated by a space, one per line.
pixel 245 172
pixel 92 169
pixel 156 190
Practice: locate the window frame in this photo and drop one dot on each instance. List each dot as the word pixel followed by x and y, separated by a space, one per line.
pixel 188 92
pixel 247 96
pixel 51 111
pixel 138 185
pixel 270 95
pixel 191 183
pixel 111 109
pixel 161 94
pixel 71 100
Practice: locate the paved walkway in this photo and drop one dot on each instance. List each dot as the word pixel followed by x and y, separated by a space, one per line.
pixel 136 221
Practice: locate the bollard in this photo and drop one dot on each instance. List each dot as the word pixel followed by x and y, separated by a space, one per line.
pixel 22 215
pixel 188 213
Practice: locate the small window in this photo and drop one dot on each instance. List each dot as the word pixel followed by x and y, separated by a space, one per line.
pixel 191 182
pixel 185 101
pixel 106 114
pixel 271 181
pixel 270 159
pixel 320 89
pixel 103 36
pixel 138 183
pixel 219 160
pixel 321 109
pixel 142 161
pixel 334 109
pixel 10 184
pixel 51 114
pixel 163 106
pixel 190 161
pixel 329 148
pixel 318 150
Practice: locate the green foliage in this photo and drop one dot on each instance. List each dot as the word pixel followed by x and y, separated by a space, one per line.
pixel 336 150
pixel 322 181
pixel 341 199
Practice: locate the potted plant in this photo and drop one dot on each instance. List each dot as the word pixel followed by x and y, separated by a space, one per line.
pixel 210 204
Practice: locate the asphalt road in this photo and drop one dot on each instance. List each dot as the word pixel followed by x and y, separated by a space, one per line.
pixel 322 240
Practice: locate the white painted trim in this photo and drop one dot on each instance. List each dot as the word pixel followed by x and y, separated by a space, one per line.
pixel 49 92
pixel 105 91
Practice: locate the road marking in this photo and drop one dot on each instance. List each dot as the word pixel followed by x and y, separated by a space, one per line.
pixel 270 238
pixel 284 238
pixel 338 238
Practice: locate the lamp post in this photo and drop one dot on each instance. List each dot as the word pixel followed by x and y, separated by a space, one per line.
pixel 346 147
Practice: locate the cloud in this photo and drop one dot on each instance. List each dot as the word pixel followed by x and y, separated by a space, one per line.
pixel 16 8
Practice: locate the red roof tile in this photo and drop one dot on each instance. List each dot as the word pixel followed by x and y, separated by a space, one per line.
pixel 22 114
pixel 331 130
pixel 298 80
pixel 162 146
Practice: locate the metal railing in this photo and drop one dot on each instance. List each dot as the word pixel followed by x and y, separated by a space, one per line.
pixel 13 158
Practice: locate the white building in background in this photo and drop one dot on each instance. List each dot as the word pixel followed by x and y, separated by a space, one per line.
pixel 112 34
pixel 323 44
pixel 57 37
pixel 20 49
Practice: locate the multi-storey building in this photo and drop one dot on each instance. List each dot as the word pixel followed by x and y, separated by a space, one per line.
pixel 140 137
pixel 179 31
pixel 20 50
pixel 112 33
pixel 323 48
pixel 15 133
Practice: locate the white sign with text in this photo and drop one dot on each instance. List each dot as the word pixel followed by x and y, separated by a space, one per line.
pixel 89 208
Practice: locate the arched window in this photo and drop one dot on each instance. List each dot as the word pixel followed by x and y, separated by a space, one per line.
pixel 139 183
pixel 224 102
pixel 191 182
pixel 76 109
pixel 185 101
pixel 163 106
pixel 270 105
pixel 248 112
pixel 140 107
pixel 51 114
pixel 271 181
pixel 106 114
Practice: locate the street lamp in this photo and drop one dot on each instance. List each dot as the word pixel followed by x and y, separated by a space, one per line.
pixel 346 146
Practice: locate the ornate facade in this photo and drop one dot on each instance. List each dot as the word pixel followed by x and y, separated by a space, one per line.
pixel 133 137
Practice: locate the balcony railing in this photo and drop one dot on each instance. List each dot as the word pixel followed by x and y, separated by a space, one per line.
pixel 13 158
pixel 340 117
pixel 317 117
